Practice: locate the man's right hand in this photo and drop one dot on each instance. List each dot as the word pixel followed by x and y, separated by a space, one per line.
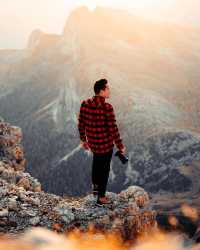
pixel 123 150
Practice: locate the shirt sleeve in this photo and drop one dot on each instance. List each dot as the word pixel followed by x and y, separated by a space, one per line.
pixel 81 124
pixel 113 129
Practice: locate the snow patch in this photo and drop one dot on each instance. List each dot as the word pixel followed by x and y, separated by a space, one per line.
pixel 112 174
pixel 66 157
pixel 64 109
pixel 131 174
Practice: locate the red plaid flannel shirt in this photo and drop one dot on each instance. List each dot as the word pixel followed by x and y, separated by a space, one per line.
pixel 95 129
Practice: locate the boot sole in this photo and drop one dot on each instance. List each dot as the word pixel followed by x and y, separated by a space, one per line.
pixel 102 204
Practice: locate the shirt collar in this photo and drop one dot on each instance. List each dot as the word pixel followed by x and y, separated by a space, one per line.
pixel 98 99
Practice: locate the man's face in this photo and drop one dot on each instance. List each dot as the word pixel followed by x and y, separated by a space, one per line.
pixel 106 92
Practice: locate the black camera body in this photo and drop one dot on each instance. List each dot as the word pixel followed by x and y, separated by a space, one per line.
pixel 122 157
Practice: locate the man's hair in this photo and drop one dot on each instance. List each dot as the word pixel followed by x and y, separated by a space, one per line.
pixel 100 85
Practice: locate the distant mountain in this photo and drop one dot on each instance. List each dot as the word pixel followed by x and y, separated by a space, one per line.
pixel 153 71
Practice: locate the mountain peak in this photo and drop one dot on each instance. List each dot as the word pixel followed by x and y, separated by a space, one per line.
pixel 34 38
pixel 39 41
pixel 101 19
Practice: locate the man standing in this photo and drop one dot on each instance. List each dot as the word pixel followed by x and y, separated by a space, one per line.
pixel 98 132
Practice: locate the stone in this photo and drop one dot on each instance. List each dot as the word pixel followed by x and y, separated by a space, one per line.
pixel 9 176
pixel 24 182
pixel 135 194
pixel 19 165
pixel 2 169
pixel 24 204
pixel 37 188
pixel 12 204
pixel 66 213
pixel 34 201
pixel 34 221
pixel 3 192
pixel 30 213
pixel 4 212
pixel 17 133
pixel 18 153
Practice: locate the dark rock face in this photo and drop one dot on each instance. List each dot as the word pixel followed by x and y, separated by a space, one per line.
pixel 158 162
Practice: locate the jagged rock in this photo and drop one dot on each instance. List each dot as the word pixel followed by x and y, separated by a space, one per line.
pixel 37 188
pixel 24 204
pixel 16 176
pixel 19 165
pixel 3 191
pixel 17 133
pixel 24 182
pixel 35 220
pixel 10 139
pixel 35 201
pixel 9 176
pixel 4 213
pixel 27 208
pixel 4 128
pixel 136 194
pixel 129 207
pixel 12 203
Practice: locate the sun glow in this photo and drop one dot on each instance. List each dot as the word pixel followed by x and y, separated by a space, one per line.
pixel 126 4
pixel 20 17
pixel 77 240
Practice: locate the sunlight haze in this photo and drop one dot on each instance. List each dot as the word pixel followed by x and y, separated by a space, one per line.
pixel 20 17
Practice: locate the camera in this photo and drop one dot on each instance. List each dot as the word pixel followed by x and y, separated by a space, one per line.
pixel 121 156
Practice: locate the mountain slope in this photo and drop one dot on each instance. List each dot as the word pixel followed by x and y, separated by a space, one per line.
pixel 152 68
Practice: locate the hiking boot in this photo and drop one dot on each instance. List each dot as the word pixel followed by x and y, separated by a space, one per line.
pixel 95 189
pixel 95 192
pixel 102 201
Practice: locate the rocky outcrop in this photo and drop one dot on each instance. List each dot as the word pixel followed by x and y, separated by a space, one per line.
pixel 24 204
pixel 12 160
pixel 39 40
pixel 128 214
pixel 34 39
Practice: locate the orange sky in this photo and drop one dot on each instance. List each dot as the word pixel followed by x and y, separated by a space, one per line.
pixel 20 17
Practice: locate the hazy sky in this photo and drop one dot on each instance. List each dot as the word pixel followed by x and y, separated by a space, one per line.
pixel 20 17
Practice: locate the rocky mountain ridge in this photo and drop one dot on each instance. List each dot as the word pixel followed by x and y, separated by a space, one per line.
pixel 24 205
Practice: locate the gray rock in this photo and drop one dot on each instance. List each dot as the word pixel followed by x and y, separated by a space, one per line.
pixel 3 192
pixel 35 201
pixel 4 212
pixel 34 221
pixel 66 213
pixel 23 202
pixel 30 213
pixel 12 204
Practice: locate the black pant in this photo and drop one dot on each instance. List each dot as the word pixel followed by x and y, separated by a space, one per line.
pixel 100 171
